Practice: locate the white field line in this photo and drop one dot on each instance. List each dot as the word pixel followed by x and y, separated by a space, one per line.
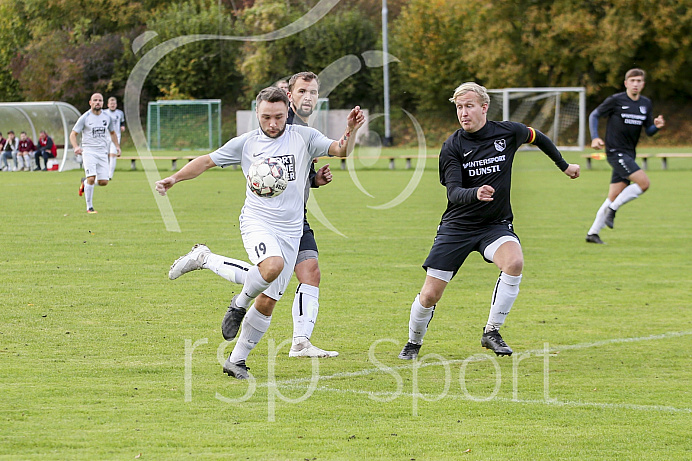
pixel 298 383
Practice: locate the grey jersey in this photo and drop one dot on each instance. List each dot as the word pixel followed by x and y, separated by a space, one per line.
pixel 95 131
pixel 118 117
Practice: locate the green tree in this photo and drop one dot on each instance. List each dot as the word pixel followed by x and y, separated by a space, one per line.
pixel 430 37
pixel 202 69
pixel 13 37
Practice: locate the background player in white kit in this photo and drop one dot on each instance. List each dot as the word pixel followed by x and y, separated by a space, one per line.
pixel 98 132
pixel 271 228
pixel 119 119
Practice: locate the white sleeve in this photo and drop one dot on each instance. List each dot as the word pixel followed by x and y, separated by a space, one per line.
pixel 79 126
pixel 317 143
pixel 230 153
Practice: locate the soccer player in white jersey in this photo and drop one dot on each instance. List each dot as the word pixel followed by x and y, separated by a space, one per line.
pixel 119 119
pixel 98 131
pixel 271 228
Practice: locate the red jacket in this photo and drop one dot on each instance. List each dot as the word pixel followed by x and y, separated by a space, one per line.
pixel 48 144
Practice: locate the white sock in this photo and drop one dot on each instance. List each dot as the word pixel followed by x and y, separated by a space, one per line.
pixel 419 320
pixel 628 194
pixel 306 304
pixel 253 286
pixel 20 162
pixel 111 165
pixel 89 194
pixel 599 222
pixel 253 328
pixel 231 269
pixel 506 291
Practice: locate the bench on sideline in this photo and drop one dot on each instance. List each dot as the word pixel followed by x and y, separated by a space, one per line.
pixel 664 157
pixel 391 160
pixel 174 160
pixel 601 156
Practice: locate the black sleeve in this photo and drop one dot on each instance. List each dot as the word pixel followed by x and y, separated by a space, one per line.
pixel 450 177
pixel 546 145
pixel 312 175
pixel 649 126
pixel 49 143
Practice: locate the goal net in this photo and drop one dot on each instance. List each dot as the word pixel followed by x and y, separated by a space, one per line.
pixel 558 112
pixel 184 124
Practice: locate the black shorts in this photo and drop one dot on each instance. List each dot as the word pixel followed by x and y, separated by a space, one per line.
pixel 623 166
pixel 307 241
pixel 452 246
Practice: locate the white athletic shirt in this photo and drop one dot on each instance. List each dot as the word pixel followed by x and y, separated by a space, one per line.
pixel 96 132
pixel 118 117
pixel 296 148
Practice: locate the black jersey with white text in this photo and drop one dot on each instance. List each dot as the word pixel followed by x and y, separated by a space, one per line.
pixel 625 121
pixel 471 160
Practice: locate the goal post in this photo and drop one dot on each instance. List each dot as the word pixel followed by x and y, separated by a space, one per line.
pixel 558 112
pixel 184 124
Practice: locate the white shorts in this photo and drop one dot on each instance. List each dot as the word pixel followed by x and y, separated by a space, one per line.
pixel 261 242
pixel 96 165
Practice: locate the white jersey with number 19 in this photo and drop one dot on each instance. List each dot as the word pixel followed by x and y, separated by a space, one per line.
pixel 296 148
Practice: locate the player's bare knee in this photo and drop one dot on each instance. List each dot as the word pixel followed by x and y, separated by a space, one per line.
pixel 513 266
pixel 271 267
pixel 103 182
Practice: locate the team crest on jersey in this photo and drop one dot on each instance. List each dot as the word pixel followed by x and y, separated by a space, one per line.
pixel 642 109
pixel 500 145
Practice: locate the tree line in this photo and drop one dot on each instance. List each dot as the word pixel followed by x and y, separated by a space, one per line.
pixel 67 49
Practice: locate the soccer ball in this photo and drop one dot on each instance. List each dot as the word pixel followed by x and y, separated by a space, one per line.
pixel 267 177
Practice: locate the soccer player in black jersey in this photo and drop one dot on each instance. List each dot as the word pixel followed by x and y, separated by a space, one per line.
pixel 476 168
pixel 303 92
pixel 627 112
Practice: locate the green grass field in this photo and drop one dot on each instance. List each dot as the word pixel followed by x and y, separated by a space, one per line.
pixel 103 357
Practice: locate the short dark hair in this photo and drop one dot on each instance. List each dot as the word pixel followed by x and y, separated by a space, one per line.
pixel 10 132
pixel 636 72
pixel 272 94
pixel 307 76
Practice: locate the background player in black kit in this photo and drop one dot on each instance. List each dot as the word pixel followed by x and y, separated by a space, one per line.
pixel 627 112
pixel 476 168
pixel 303 92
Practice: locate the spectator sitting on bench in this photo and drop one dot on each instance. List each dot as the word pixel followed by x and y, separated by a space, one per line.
pixel 26 148
pixel 46 148
pixel 9 151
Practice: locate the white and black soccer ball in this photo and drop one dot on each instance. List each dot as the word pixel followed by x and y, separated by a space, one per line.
pixel 267 177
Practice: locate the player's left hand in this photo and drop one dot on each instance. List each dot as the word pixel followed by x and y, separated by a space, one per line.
pixel 356 118
pixel 572 171
pixel 163 185
pixel 324 176
pixel 659 122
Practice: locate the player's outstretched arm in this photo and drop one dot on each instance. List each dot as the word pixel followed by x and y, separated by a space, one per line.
pixel 344 146
pixel 189 171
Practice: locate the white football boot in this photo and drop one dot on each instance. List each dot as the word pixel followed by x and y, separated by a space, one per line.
pixel 307 349
pixel 190 262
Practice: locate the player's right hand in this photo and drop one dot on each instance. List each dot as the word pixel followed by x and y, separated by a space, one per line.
pixel 485 193
pixel 163 185
pixel 597 143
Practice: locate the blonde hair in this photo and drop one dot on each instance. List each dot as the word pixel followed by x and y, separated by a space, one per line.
pixel 471 87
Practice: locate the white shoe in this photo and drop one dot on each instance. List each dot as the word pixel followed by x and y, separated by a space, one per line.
pixel 190 262
pixel 307 349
